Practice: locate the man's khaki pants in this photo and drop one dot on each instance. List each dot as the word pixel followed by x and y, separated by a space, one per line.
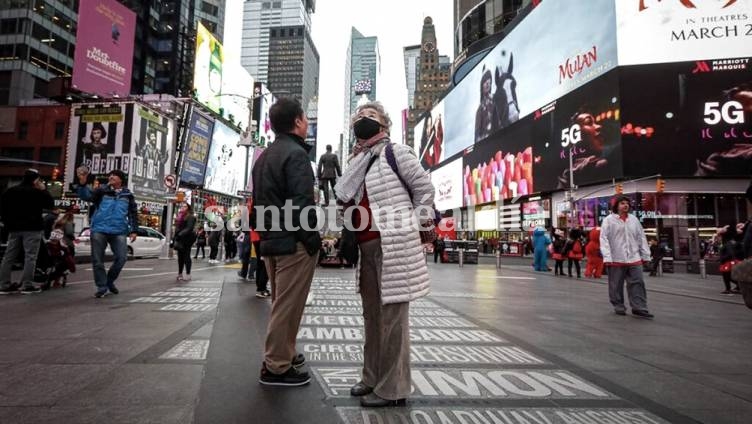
pixel 290 277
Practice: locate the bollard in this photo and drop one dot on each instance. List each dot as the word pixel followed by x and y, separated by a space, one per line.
pixel 703 273
pixel 660 267
pixel 462 258
pixel 498 259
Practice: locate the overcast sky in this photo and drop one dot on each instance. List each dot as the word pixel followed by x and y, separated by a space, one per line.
pixel 396 23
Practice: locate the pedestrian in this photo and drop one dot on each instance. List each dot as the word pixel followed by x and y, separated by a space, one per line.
pixel 541 240
pixel 573 251
pixel 185 236
pixel 656 255
pixel 200 243
pixel 115 218
pixel 557 253
pixel 243 240
pixel 731 253
pixel 49 222
pixel 289 239
pixel 67 226
pixel 625 249
pixel 213 239
pixel 387 183
pixel 328 172
pixel 262 277
pixel 230 245
pixel 21 210
pixel 594 266
pixel 438 249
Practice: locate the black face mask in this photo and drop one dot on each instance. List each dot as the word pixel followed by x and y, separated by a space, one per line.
pixel 365 128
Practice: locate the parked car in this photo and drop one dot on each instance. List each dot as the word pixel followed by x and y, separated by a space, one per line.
pixel 149 242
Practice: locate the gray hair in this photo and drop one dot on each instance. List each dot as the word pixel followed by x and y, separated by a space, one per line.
pixel 378 107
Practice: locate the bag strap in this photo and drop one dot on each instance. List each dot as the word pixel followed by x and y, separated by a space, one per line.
pixel 392 161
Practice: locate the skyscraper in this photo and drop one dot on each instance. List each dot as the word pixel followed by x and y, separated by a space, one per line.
pixel 293 63
pixel 412 67
pixel 362 70
pixel 261 15
pixel 432 78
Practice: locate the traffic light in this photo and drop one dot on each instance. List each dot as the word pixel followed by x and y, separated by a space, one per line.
pixel 619 188
pixel 180 197
pixel 660 185
pixel 55 173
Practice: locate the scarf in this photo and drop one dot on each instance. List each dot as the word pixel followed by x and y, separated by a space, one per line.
pixel 350 185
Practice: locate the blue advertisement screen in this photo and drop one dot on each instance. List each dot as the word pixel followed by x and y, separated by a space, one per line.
pixel 197 149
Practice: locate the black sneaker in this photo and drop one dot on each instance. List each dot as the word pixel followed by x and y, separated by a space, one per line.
pixel 291 377
pixel 298 360
pixel 30 290
pixel 100 294
pixel 113 290
pixel 642 314
pixel 620 312
pixel 10 289
pixel 262 294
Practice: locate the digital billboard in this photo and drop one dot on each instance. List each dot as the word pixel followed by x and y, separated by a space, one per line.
pixel 226 164
pixel 263 101
pixel 698 114
pixel 196 148
pixel 103 60
pixel 207 75
pixel 236 93
pixel 586 124
pixel 99 138
pixel 682 30
pixel 447 183
pixel 531 67
pixel 499 168
pixel 152 151
pixel 431 139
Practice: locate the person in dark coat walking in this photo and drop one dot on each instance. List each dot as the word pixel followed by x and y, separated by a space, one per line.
pixel 185 236
pixel 200 243
pixel 328 172
pixel 22 208
pixel 731 253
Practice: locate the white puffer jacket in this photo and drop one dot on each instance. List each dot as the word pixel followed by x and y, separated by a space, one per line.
pixel 404 275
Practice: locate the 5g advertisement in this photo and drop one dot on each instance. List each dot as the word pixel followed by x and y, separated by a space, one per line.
pixel 698 114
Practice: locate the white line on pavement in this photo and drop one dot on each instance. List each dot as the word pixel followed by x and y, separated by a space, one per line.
pixel 129 269
pixel 515 278
pixel 130 277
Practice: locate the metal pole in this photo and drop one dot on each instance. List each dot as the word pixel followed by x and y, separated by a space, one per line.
pixel 166 251
pixel 660 267
pixel 498 258
pixel 703 273
pixel 462 256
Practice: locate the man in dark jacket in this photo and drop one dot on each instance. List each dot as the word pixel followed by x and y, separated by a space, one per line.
pixel 22 208
pixel 114 218
pixel 284 216
pixel 328 172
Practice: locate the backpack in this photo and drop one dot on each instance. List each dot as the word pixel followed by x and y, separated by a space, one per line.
pixel 427 235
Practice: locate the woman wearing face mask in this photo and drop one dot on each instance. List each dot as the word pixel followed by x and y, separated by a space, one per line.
pixel 392 191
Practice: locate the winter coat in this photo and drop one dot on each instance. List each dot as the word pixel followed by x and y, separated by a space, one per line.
pixel 623 242
pixel 404 275
pixel 114 213
pixel 22 207
pixel 283 173
pixel 329 166
pixel 186 233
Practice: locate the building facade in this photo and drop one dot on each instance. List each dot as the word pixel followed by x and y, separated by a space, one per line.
pixel 362 70
pixel 293 63
pixel 432 78
pixel 259 16
pixel 33 137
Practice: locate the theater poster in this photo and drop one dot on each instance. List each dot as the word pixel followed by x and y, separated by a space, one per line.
pixel 152 152
pixel 99 138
